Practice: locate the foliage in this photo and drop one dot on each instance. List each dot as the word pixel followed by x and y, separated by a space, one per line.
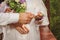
pixel 55 17
pixel 17 6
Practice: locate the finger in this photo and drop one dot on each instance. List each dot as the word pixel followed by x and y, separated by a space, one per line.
pixel 20 30
pixel 25 29
pixel 30 14
pixel 26 22
pixel 28 19
pixel 8 10
pixel 40 14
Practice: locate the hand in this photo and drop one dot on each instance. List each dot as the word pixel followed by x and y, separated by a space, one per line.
pixel 8 10
pixel 21 28
pixel 25 17
pixel 38 18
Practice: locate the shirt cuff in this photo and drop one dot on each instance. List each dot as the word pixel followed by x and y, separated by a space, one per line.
pixel 14 17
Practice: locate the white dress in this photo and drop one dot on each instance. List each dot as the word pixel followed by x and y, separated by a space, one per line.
pixel 33 6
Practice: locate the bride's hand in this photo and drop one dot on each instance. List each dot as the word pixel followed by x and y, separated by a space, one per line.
pixel 20 28
pixel 38 18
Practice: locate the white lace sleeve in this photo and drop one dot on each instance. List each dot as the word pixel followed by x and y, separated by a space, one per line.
pixel 7 18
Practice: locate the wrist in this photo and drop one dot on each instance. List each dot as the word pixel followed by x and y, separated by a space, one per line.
pixel 19 18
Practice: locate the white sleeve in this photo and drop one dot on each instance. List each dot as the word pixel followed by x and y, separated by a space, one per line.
pixel 41 8
pixel 7 18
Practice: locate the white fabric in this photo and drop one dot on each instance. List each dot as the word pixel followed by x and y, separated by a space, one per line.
pixel 7 18
pixel 33 6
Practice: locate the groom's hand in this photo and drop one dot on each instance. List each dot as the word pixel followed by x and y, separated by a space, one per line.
pixel 25 17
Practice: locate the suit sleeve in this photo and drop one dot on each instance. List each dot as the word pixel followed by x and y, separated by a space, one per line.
pixel 7 18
